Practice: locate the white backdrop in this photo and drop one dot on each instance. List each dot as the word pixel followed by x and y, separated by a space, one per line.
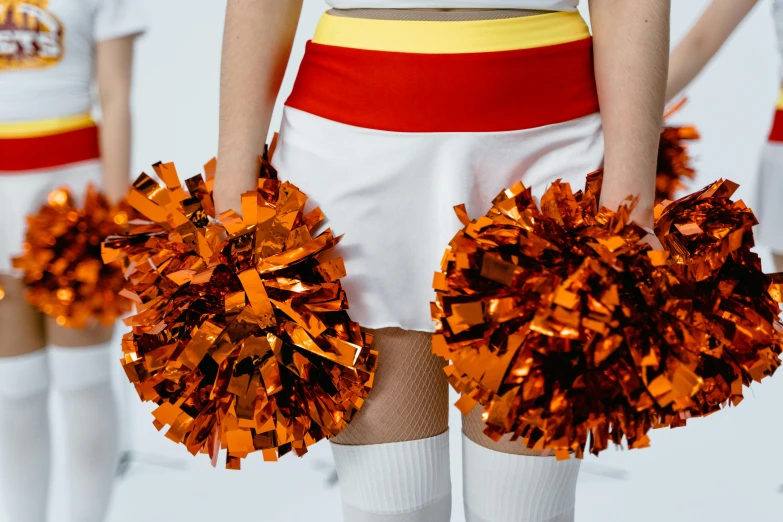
pixel 723 468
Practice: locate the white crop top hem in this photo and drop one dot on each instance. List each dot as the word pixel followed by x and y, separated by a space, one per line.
pixel 544 5
pixel 777 14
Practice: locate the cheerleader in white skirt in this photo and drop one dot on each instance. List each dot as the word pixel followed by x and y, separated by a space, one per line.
pixel 52 53
pixel 689 58
pixel 401 110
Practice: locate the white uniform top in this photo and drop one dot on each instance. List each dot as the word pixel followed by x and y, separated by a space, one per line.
pixel 545 5
pixel 47 53
pixel 777 13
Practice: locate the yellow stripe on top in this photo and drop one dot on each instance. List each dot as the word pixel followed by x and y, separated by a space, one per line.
pixel 36 129
pixel 780 101
pixel 475 36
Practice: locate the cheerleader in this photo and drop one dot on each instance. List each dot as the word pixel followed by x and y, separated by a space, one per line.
pixel 690 57
pixel 401 110
pixel 51 53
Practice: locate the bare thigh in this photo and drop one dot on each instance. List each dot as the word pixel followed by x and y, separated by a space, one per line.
pixel 409 400
pixel 21 326
pixel 58 335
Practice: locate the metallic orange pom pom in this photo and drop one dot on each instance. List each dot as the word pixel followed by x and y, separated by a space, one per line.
pixel 674 162
pixel 714 285
pixel 62 266
pixel 242 336
pixel 571 332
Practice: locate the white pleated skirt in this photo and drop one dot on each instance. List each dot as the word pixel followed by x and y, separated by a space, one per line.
pixel 392 195
pixel 769 202
pixel 387 141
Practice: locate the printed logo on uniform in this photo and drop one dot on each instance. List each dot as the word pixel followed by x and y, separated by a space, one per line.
pixel 30 36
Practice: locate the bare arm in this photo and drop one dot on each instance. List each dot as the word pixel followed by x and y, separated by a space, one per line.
pixel 114 64
pixel 257 42
pixel 703 41
pixel 631 45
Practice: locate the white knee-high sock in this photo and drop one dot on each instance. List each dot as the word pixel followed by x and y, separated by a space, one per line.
pixel 82 377
pixel 499 487
pixel 396 482
pixel 24 436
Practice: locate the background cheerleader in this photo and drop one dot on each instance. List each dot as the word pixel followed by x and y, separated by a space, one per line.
pixel 689 58
pixel 51 54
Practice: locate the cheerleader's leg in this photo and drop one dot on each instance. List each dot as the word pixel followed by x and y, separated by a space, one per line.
pixel 393 458
pixel 80 363
pixel 25 459
pixel 77 361
pixel 506 482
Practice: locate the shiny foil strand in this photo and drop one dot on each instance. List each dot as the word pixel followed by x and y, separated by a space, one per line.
pixel 62 268
pixel 570 332
pixel 241 336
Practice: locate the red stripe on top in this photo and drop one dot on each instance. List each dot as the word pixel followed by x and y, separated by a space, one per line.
pixel 56 150
pixel 474 92
pixel 776 134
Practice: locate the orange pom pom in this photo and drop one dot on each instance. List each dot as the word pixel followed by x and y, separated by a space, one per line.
pixel 242 337
pixel 62 266
pixel 571 332
pixel 674 162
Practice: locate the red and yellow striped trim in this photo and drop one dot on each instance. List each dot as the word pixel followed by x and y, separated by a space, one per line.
pixel 476 76
pixel 48 143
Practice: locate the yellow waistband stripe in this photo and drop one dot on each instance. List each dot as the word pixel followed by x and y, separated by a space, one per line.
pixel 35 129
pixel 780 101
pixel 476 36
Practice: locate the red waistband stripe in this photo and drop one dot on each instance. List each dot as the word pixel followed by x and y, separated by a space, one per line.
pixel 48 151
pixel 776 134
pixel 467 92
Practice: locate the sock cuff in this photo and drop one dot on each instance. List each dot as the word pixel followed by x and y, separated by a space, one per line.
pixel 394 478
pixel 24 375
pixel 501 487
pixel 79 368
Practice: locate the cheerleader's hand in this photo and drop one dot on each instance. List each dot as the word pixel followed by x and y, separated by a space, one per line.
pixel 619 189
